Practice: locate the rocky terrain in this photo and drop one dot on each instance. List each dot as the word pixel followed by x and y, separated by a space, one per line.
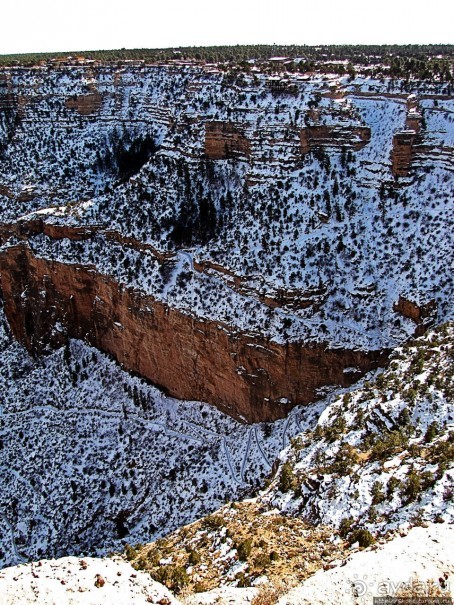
pixel 378 461
pixel 203 273
pixel 72 581
pixel 380 455
pixel 424 570
pixel 262 214
pixel 92 458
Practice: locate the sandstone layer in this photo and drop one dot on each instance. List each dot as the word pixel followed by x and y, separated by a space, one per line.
pixel 85 104
pixel 403 152
pixel 422 314
pixel 247 376
pixel 334 136
pixel 224 140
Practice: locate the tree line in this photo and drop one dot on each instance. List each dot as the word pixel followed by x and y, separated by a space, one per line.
pixel 401 61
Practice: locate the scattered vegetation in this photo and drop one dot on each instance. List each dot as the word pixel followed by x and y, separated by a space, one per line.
pixel 362 536
pixel 387 441
pixel 200 556
pixel 425 62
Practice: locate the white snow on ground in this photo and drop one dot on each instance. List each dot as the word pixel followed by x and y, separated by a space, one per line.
pixel 424 554
pixel 91 457
pixel 75 581
pixel 381 455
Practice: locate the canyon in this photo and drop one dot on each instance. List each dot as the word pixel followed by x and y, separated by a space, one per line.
pixel 158 206
pixel 244 375
pixel 226 321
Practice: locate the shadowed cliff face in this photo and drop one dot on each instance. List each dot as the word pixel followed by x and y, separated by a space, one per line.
pixel 224 140
pixel 249 377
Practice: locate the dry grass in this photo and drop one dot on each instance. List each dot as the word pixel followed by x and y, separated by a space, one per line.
pixel 201 556
pixel 427 588
pixel 269 594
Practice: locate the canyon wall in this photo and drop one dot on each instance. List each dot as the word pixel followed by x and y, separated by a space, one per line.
pixel 222 210
pixel 224 140
pixel 403 152
pixel 247 376
pixel 333 136
pixel 85 104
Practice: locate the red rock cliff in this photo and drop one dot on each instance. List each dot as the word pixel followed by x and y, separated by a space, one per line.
pixel 423 314
pixel 246 376
pixel 224 140
pixel 403 152
pixel 85 104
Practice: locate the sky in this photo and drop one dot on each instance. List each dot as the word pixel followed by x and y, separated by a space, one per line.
pixel 58 25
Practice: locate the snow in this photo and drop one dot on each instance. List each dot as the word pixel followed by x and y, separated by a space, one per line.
pixel 369 230
pixel 337 484
pixel 92 458
pixel 225 594
pixel 71 581
pixel 424 554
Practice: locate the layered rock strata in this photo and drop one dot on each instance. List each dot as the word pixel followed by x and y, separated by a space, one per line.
pixel 225 140
pixel 423 314
pixel 247 376
pixel 85 104
pixel 334 136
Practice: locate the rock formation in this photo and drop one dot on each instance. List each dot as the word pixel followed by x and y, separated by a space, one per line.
pixel 333 136
pixel 229 239
pixel 85 104
pixel 224 140
pixel 245 375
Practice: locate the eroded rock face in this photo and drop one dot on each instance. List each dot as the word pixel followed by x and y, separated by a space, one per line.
pixel 85 104
pixel 405 142
pixel 334 136
pixel 247 376
pixel 224 140
pixel 422 314
pixel 403 152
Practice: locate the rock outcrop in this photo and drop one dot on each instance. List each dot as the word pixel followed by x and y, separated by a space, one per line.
pixel 85 104
pixel 334 136
pixel 225 140
pixel 422 314
pixel 403 152
pixel 405 142
pixel 245 375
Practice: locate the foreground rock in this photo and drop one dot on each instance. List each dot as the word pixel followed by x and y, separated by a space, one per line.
pixel 72 581
pixel 403 566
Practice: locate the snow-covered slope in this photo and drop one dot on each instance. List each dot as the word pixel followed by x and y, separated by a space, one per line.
pixel 381 456
pixel 376 465
pixel 92 458
pixel 419 564
pixel 77 581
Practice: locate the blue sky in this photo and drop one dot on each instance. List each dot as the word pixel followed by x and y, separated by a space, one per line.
pixel 57 25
